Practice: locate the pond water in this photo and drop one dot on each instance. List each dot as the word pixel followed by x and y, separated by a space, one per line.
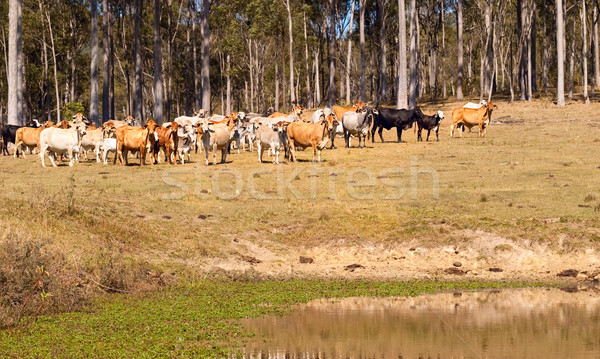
pixel 523 323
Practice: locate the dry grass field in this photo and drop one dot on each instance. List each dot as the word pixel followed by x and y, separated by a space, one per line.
pixel 525 199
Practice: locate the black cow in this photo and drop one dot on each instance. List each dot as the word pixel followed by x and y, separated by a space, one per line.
pixel 389 117
pixel 430 123
pixel 9 132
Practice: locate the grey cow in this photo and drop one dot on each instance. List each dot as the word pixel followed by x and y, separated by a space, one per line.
pixel 357 124
pixel 274 138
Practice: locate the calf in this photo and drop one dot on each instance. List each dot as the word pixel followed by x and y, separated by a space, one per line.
pixel 357 124
pixel 168 141
pixel 313 135
pixel 60 141
pixel 92 141
pixel 388 117
pixel 430 123
pixel 274 138
pixel 108 145
pixel 186 141
pixel 296 110
pixel 134 139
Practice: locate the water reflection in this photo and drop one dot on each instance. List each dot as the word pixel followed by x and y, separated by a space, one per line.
pixel 527 323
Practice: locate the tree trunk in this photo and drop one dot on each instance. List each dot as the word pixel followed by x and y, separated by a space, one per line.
pixel 94 115
pixel 317 80
pixel 106 62
pixel 586 98
pixel 291 43
pixel 596 45
pixel 55 66
pixel 560 55
pixel 533 45
pixel 530 52
pixel 331 95
pixel 349 56
pixel 401 95
pixel 382 77
pixel 363 79
pixel 205 35
pixel 309 96
pixel 228 107
pixel 412 100
pixel 276 78
pixel 14 37
pixel 169 58
pixel 489 47
pixel 195 59
pixel 460 72
pixel 158 77
pixel 546 51
pixel 20 64
pixel 572 57
pixel 443 57
pixel 137 48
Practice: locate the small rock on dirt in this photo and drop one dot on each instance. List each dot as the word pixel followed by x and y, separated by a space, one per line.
pixel 202 216
pixel 496 269
pixel 166 217
pixel 568 273
pixel 250 259
pixel 457 264
pixel 454 271
pixel 306 260
pixel 353 267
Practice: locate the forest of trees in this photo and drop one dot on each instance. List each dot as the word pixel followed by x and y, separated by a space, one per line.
pixel 159 59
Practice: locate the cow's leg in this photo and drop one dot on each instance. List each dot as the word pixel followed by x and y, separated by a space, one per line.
pixel 380 131
pixel 42 155
pixel 126 156
pixel 428 133
pixel 419 136
pixel 292 149
pixel 16 153
pixel 437 133
pixel 260 151
pixel 399 132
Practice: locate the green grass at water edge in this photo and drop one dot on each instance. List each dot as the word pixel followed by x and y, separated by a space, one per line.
pixel 199 320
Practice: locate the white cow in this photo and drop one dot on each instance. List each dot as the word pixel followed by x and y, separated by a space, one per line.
pixel 274 138
pixel 60 141
pixel 108 145
pixel 92 141
pixel 186 141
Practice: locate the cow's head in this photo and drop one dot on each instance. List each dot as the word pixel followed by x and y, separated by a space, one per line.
pixel 47 124
pixel 79 117
pixel 174 127
pixel 360 106
pixel 492 106
pixel 34 123
pixel 129 120
pixel 298 110
pixel 79 126
pixel 108 130
pixel 241 116
pixel 201 113
pixel 151 126
pixel 330 121
pixel 64 124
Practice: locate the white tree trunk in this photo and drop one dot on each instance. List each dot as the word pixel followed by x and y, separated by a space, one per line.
pixel 291 43
pixel 560 54
pixel 306 57
pixel 586 98
pixel 158 76
pixel 363 79
pixel 13 63
pixel 205 70
pixel 460 72
pixel 55 66
pixel 94 110
pixel 401 93
pixel 412 101
pixel 349 56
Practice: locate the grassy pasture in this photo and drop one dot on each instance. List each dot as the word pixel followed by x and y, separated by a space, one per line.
pixel 533 182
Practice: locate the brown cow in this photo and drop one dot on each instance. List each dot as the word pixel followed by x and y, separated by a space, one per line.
pixel 302 134
pixel 469 117
pixel 29 137
pixel 167 140
pixel 296 110
pixel 134 139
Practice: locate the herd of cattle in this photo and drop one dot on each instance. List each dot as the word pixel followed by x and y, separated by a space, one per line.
pixel 276 132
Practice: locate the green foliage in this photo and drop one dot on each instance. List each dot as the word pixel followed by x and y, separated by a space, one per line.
pixel 199 320
pixel 70 109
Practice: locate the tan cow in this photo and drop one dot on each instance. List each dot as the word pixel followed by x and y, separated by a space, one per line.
pixel 469 117
pixel 134 139
pixel 29 137
pixel 302 134
pixel 296 110
pixel 129 121
pixel 340 111
pixel 217 136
